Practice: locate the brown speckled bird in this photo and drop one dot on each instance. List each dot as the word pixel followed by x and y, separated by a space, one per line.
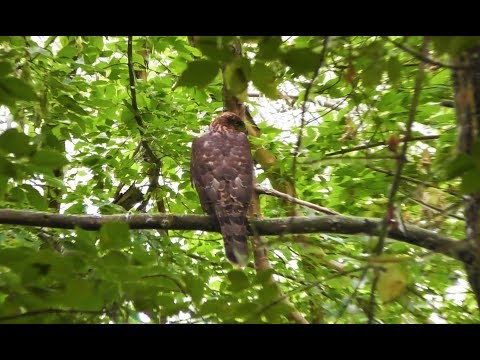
pixel 221 169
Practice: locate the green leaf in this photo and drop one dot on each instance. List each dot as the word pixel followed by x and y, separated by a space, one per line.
pixel 264 80
pixel 454 45
pixel 470 181
pixel 265 276
pixel 6 99
pixel 302 61
pixel 78 208
pixel 7 169
pixel 116 73
pixel 268 294
pixel 81 294
pixel 49 159
pixel 198 73
pixel 55 182
pixel 372 74
pixel 392 283
pixel 3 185
pixel 214 307
pixel 85 241
pixel 18 195
pixel 16 258
pixel 458 165
pixel 96 41
pixel 394 68
pixel 237 75
pixel 67 52
pixel 37 200
pixel 38 50
pixel 13 141
pixel 269 47
pixel 114 235
pixel 17 89
pixel 194 287
pixel 51 263
pixel 5 69
pixel 128 118
pixel 239 280
pixel 246 309
pixel 115 258
pixel 215 47
pixel 71 104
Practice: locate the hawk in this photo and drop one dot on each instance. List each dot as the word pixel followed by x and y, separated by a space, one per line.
pixel 221 169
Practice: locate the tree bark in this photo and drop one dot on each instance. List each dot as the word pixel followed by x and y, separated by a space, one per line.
pixel 466 82
pixel 337 224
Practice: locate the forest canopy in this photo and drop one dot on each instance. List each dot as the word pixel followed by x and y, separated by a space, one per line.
pixel 367 164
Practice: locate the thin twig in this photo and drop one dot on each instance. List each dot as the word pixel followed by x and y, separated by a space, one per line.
pixel 422 56
pixel 171 278
pixel 131 75
pixel 352 158
pixel 434 208
pixel 179 286
pixel 45 46
pixel 331 109
pixel 304 107
pixel 353 296
pixel 446 211
pixel 51 311
pixel 417 293
pixel 413 180
pixel 402 158
pixel 389 216
pixel 380 143
pixel 276 193
pixel 304 288
pixel 372 303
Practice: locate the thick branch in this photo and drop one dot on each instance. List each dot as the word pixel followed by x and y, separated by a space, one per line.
pixel 274 226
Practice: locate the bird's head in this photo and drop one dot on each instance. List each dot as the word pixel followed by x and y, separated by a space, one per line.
pixel 228 121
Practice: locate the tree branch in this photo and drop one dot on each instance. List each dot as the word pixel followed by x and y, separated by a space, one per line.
pixel 338 224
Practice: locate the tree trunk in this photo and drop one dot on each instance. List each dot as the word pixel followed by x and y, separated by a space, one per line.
pixel 466 84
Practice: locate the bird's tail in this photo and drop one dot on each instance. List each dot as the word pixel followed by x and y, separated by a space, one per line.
pixel 233 226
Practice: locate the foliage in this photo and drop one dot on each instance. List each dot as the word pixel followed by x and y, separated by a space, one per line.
pixel 70 136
